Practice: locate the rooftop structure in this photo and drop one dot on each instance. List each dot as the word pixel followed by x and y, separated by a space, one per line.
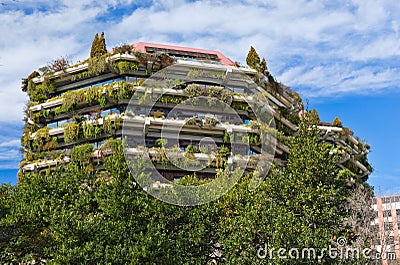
pixel 182 52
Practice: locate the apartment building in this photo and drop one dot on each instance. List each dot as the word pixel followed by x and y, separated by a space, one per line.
pixel 91 102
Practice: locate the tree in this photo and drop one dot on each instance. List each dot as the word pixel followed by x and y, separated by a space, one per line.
pixel 252 59
pixel 300 206
pixel 337 122
pixel 93 49
pixel 102 48
pixel 314 115
pixel 98 46
pixel 58 64
pixel 74 216
pixel 264 67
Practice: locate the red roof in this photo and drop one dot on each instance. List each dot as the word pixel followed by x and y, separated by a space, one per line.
pixel 141 47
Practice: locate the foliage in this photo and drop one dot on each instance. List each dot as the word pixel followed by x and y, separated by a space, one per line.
pixel 314 115
pixel 92 95
pixel 200 73
pixel 240 106
pixel 297 99
pixel 41 137
pixel 88 130
pixel 41 92
pixel 52 144
pixel 122 49
pixel 210 121
pixel 73 216
pixel 93 49
pixel 71 132
pixel 126 66
pixel 82 153
pixel 214 93
pixel 159 114
pixel 252 59
pixel 81 75
pixel 194 121
pixel 193 90
pixel 263 66
pixel 71 99
pixel 165 99
pixel 98 46
pixel 107 125
pixel 98 64
pixel 191 150
pixel 219 93
pixel 58 64
pixel 337 122
pixel 251 138
pixel 33 75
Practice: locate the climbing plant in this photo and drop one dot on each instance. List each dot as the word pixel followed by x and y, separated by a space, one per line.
pixel 82 153
pixel 71 132
pixel 127 66
pixel 41 137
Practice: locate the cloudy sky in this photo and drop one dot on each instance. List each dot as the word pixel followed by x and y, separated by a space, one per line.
pixel 343 56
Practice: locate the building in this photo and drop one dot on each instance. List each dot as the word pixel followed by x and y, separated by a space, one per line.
pixel 387 226
pixel 89 102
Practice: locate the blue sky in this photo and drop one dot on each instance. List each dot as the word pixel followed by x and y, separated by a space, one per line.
pixel 343 56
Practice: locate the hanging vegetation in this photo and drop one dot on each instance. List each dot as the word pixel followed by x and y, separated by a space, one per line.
pixel 41 92
pixel 71 132
pixel 82 153
pixel 41 137
pixel 127 66
pixel 98 65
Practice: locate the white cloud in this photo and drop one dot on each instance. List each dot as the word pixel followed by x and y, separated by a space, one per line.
pixel 9 145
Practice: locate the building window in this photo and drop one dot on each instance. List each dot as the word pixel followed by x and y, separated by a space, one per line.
pixel 398 212
pixel 375 229
pixel 387 213
pixel 396 199
pixel 390 240
pixel 388 226
pixel 374 201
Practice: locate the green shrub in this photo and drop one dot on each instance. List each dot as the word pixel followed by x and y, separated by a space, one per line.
pixel 82 153
pixel 71 132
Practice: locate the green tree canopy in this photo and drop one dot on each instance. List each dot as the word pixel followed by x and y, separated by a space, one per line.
pixel 73 215
pixel 252 59
pixel 98 46
pixel 337 122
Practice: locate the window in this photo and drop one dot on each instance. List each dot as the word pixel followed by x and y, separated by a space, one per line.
pixel 52 125
pixel 388 226
pixel 374 201
pixel 398 212
pixel 390 240
pixel 396 199
pixel 387 213
pixel 131 79
pixel 375 229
